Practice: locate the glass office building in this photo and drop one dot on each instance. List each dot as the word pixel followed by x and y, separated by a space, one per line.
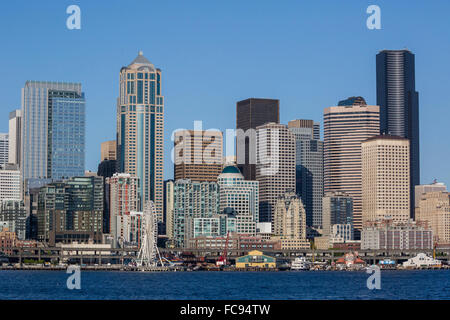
pixel 53 130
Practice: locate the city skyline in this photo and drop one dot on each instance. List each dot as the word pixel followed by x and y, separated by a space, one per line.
pixel 292 74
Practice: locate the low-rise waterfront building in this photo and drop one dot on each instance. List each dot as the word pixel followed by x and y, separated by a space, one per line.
pixel 386 235
pixel 256 259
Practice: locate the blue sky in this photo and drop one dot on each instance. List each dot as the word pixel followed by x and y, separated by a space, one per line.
pixel 308 54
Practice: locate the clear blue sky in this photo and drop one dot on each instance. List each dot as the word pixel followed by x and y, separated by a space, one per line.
pixel 308 54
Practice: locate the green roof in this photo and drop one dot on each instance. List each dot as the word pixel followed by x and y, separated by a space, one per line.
pixel 231 169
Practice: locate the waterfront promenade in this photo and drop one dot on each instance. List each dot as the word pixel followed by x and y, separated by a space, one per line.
pixel 104 256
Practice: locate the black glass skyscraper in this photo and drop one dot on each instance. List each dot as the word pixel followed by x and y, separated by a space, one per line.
pixel 251 113
pixel 399 104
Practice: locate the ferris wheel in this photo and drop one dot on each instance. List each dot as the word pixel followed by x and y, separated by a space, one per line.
pixel 148 255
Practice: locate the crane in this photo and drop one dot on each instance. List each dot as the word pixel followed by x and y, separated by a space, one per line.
pixel 223 260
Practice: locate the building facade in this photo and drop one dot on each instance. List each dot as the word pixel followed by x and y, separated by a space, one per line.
pixel 198 155
pixel 399 105
pixel 337 209
pixel 425 188
pixel 108 150
pixel 250 114
pixel 124 191
pixel 309 168
pixel 192 200
pixel 15 136
pixel 434 209
pixel 168 207
pixel 385 176
pixel 53 130
pixel 140 128
pixel 385 235
pixel 242 196
pixel 10 182
pixel 345 127
pixel 4 148
pixel 275 169
pixel 289 221
pixel 14 211
pixel 71 211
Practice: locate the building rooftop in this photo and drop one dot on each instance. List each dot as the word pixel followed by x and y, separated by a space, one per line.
pixel 385 137
pixel 231 169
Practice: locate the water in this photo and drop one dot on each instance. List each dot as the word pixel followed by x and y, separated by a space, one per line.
pixel 414 284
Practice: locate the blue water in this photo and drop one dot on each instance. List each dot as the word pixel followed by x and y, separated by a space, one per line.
pixel 426 284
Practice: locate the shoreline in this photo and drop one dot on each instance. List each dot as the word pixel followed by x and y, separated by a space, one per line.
pixel 178 269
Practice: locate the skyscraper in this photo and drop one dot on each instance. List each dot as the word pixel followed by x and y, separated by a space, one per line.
pixel 275 169
pixel 345 127
pixel 337 209
pixel 399 104
pixel 108 150
pixel 309 168
pixel 53 130
pixel 198 155
pixel 242 196
pixel 192 200
pixel 124 192
pixel 4 148
pixel 15 136
pixel 140 128
pixel 434 209
pixel 385 179
pixel 251 113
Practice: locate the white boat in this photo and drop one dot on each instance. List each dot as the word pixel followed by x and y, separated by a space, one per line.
pixel 300 264
pixel 421 260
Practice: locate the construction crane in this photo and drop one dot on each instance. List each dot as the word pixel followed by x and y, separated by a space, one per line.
pixel 223 260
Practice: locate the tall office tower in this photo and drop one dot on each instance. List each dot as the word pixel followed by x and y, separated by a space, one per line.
pixel 275 169
pixel 168 207
pixel 434 209
pixel 124 191
pixel 10 182
pixel 53 130
pixel 198 155
pixel 424 188
pixel 13 211
pixel 345 127
pixel 4 148
pixel 192 199
pixel 15 136
pixel 242 197
pixel 252 113
pixel 309 168
pixel 385 179
pixel 399 104
pixel 337 209
pixel 71 211
pixel 108 150
pixel 140 128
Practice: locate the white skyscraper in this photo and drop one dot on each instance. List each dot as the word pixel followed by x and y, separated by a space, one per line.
pixel 15 136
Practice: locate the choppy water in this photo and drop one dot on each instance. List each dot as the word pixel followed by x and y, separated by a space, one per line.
pixel 426 284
